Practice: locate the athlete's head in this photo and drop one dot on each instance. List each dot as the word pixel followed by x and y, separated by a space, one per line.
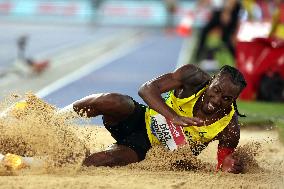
pixel 223 90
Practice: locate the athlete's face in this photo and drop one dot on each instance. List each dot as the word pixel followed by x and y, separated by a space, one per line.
pixel 220 94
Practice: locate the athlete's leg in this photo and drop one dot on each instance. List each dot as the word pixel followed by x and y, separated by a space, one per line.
pixel 116 155
pixel 113 106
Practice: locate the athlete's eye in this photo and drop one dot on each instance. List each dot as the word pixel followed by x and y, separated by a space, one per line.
pixel 227 98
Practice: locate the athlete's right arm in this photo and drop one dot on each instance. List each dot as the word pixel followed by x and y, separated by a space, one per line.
pixel 150 92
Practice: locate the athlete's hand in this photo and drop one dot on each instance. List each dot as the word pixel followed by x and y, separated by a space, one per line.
pixel 187 121
pixel 232 165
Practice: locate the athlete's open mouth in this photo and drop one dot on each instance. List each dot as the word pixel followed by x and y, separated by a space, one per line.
pixel 210 106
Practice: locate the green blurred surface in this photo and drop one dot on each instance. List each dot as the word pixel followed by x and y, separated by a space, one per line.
pixel 266 115
pixel 261 111
pixel 263 114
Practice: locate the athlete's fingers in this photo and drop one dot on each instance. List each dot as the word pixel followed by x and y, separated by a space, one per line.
pixel 232 170
pixel 194 121
pixel 239 166
pixel 238 169
pixel 235 170
pixel 179 121
pixel 199 122
pixel 238 163
pixel 188 121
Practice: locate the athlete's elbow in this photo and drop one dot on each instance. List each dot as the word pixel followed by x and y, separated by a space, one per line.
pixel 143 90
pixel 146 89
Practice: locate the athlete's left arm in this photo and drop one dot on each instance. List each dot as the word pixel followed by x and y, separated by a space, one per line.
pixel 228 141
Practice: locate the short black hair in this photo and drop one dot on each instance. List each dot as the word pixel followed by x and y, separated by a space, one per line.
pixel 236 76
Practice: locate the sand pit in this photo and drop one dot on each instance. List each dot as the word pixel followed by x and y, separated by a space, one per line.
pixel 40 133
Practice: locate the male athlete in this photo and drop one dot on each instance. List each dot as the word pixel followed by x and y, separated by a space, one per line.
pixel 205 107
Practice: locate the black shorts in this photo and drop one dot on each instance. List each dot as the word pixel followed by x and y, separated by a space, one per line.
pixel 132 132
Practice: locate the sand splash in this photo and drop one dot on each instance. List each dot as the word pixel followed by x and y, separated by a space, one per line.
pixel 160 159
pixel 37 130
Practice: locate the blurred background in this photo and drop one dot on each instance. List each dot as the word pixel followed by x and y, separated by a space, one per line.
pixel 62 50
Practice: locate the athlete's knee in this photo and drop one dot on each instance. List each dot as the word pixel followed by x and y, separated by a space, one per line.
pixel 102 103
pixel 110 103
pixel 90 105
pixel 119 101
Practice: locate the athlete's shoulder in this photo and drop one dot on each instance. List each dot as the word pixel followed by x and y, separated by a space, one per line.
pixel 191 73
pixel 190 67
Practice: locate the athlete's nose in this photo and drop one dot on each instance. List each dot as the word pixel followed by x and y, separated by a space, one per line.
pixel 216 100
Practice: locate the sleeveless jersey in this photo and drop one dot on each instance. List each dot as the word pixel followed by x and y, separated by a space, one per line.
pixel 160 130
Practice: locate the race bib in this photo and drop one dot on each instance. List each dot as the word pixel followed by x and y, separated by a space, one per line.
pixel 170 135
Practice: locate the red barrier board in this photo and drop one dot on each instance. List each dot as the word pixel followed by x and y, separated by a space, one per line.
pixel 257 57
